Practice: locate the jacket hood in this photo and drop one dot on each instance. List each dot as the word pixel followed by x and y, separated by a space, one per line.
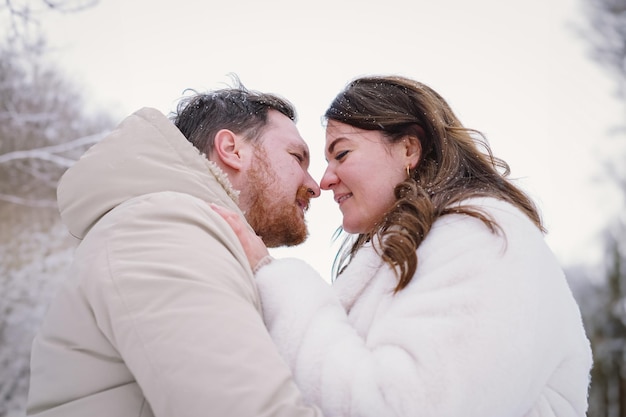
pixel 145 154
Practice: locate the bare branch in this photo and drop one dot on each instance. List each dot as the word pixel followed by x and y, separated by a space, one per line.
pixel 48 153
pixel 75 143
pixel 27 202
pixel 36 154
pixel 64 6
pixel 26 16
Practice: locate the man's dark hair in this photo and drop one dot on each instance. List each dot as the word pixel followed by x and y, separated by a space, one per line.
pixel 199 117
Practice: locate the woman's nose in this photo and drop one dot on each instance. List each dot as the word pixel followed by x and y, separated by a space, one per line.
pixel 329 180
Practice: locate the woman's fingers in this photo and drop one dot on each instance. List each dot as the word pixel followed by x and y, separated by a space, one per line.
pixel 252 244
pixel 231 218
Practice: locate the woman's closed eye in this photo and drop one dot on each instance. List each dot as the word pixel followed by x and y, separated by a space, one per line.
pixel 341 155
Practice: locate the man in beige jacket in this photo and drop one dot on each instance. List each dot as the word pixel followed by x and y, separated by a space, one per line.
pixel 160 315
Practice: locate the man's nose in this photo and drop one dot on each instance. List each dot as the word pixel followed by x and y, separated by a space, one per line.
pixel 312 188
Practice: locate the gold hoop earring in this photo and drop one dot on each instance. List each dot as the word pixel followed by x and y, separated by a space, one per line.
pixel 408 171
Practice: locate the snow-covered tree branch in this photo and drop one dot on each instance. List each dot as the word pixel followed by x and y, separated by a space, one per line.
pixel 22 16
pixel 51 153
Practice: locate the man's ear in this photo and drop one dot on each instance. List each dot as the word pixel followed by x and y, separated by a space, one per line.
pixel 226 148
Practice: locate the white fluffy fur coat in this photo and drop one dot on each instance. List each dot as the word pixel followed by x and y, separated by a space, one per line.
pixel 487 327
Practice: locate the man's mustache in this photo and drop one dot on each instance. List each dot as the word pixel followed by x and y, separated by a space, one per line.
pixel 304 195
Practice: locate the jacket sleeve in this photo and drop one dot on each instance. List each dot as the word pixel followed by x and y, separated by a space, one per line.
pixel 177 300
pixel 479 331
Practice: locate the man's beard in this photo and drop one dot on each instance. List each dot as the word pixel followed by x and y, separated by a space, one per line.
pixel 278 223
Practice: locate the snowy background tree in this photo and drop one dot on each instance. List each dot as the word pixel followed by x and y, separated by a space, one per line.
pixel 603 298
pixel 44 127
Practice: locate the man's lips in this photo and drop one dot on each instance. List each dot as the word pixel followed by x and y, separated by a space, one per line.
pixel 303 204
pixel 303 198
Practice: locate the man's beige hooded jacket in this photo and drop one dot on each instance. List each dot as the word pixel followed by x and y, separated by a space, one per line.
pixel 160 315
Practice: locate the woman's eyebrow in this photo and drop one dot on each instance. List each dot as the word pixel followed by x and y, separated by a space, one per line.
pixel 332 145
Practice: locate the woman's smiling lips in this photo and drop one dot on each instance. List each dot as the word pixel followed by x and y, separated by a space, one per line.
pixel 340 198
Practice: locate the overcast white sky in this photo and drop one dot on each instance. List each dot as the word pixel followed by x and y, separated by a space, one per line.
pixel 514 70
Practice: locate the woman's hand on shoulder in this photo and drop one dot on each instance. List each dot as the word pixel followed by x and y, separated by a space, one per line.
pixel 253 245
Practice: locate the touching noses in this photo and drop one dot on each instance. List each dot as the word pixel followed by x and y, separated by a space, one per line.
pixel 329 179
pixel 312 187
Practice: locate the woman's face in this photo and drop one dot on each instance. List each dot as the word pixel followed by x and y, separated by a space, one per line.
pixel 363 170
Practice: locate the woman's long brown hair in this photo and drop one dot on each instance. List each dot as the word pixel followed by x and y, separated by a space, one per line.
pixel 456 164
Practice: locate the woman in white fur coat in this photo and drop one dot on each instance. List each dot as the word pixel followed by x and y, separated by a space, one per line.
pixel 447 301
